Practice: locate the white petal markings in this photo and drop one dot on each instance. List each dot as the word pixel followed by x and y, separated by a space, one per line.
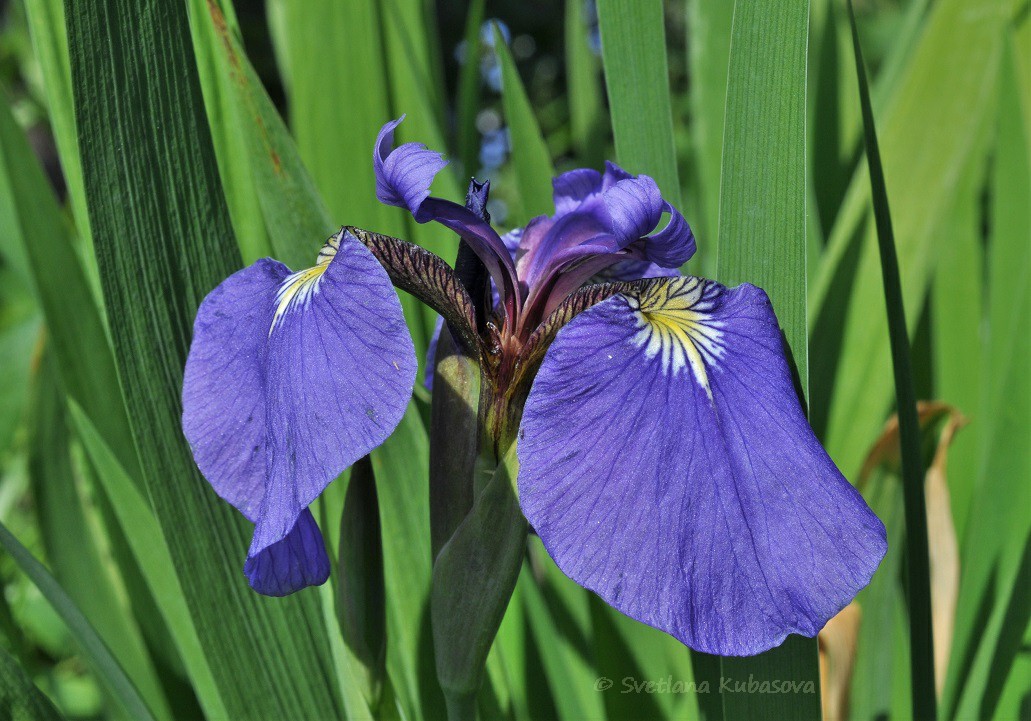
pixel 297 289
pixel 676 325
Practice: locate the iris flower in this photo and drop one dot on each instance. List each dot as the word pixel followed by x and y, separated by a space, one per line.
pixel 664 459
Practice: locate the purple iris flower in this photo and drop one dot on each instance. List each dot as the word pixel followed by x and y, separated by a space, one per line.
pixel 664 459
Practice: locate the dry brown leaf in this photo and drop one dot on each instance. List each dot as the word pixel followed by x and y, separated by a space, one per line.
pixel 943 546
pixel 837 643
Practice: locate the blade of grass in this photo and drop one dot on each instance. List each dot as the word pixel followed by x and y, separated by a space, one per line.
pixel 708 45
pixel 19 697
pixel 70 545
pixel 762 231
pixel 921 642
pixel 998 523
pixel 293 209
pixel 31 221
pixel 633 50
pixel 588 120
pixel 930 126
pixel 50 45
pixel 151 174
pixel 571 678
pixel 94 650
pixel 401 467
pixel 225 118
pixel 530 156
pixel 151 552
pixel 468 102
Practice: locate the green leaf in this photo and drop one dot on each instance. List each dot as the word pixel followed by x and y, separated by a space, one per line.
pixel 163 240
pixel 708 45
pixel 468 101
pixel 151 552
pixel 993 584
pixel 571 676
pixel 929 128
pixel 473 578
pixel 20 700
pixel 31 223
pixel 400 466
pixel 589 123
pixel 69 541
pixel 633 48
pixel 50 44
pixel 212 25
pixel 530 157
pixel 921 642
pixel 95 652
pixel 762 230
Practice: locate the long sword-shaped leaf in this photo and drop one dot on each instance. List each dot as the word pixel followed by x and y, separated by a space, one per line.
pixel 708 44
pixel 530 155
pixel 929 127
pixel 587 117
pixel 95 652
pixel 917 562
pixel 140 526
pixel 71 547
pixel 633 48
pixel 762 231
pixel 995 542
pixel 163 239
pixel 19 698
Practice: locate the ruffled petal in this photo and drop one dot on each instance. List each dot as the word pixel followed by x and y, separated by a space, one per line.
pixel 573 188
pixel 667 466
pixel 339 374
pixel 404 174
pixel 403 178
pixel 672 246
pixel 297 561
pixel 223 385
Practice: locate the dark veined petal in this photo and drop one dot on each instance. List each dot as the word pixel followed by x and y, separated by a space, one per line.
pixel 296 561
pixel 667 466
pixel 290 378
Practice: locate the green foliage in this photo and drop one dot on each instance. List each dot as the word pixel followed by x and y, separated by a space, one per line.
pixel 190 141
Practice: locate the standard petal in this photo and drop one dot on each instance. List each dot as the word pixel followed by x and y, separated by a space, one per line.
pixel 338 376
pixel 573 188
pixel 403 178
pixel 672 246
pixel 404 174
pixel 667 465
pixel 297 561
pixel 223 387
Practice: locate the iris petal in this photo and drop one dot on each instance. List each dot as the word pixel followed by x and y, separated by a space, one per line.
pixel 292 377
pixel 403 178
pixel 296 561
pixel 667 465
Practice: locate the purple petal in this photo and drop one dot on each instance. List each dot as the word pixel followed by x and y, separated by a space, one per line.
pixel 635 206
pixel 403 178
pixel 290 379
pixel 298 560
pixel 667 466
pixel 223 393
pixel 672 246
pixel 404 174
pixel 339 375
pixel 573 188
